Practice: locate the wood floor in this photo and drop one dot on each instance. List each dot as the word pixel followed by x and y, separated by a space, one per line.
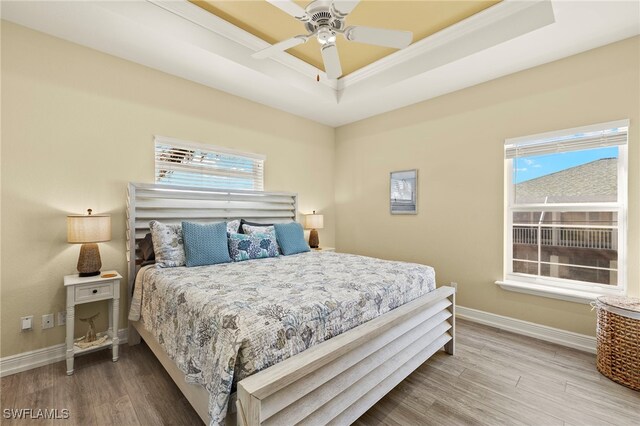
pixel 495 378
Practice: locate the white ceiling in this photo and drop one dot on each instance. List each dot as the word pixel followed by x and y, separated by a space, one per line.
pixel 179 38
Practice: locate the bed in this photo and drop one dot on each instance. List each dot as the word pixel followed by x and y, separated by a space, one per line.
pixel 315 338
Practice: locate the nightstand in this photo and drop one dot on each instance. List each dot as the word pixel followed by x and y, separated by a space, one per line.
pixel 324 249
pixel 92 289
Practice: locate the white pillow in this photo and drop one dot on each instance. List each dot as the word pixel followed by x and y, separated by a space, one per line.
pixel 233 226
pixel 251 229
pixel 167 244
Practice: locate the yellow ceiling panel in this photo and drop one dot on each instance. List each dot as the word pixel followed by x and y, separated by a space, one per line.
pixel 422 17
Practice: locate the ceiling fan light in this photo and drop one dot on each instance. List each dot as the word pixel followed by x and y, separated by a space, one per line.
pixel 325 36
pixel 331 39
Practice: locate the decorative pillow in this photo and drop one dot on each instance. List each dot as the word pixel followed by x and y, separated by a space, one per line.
pixel 167 244
pixel 146 248
pixel 244 222
pixel 205 244
pixel 262 229
pixel 256 246
pixel 233 226
pixel 290 237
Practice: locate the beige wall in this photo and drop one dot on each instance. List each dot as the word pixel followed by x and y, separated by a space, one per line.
pixel 456 142
pixel 77 126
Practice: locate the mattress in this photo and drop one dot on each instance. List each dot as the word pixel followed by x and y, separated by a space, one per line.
pixel 222 323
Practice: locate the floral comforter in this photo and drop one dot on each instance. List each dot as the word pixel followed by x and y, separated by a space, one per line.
pixel 222 323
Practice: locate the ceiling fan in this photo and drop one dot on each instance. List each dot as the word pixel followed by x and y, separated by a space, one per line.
pixel 325 19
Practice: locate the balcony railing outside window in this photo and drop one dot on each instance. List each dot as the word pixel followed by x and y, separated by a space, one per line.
pixel 589 238
pixel 580 246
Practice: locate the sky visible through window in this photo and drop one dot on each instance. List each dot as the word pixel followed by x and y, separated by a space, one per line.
pixel 527 168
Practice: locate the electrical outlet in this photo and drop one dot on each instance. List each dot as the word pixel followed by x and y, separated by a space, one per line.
pixel 62 318
pixel 47 321
pixel 454 285
pixel 26 323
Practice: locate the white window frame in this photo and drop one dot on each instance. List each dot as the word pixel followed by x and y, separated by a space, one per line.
pixel 560 288
pixel 178 143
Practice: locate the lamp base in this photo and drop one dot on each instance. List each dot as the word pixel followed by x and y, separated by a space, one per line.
pixel 89 262
pixel 314 241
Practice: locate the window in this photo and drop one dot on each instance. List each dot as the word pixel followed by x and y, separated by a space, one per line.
pixel 566 207
pixel 191 164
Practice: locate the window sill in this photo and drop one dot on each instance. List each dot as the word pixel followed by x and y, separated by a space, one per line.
pixel 570 295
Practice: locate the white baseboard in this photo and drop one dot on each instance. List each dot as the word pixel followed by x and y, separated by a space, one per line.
pixel 526 328
pixel 27 360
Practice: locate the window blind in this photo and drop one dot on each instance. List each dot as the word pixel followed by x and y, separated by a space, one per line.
pixel 598 136
pixel 191 164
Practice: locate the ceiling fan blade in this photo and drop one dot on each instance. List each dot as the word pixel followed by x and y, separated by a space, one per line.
pixel 291 8
pixel 379 36
pixel 279 47
pixel 341 8
pixel 331 60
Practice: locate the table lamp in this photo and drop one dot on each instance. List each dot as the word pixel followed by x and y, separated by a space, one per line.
pixel 314 221
pixel 88 230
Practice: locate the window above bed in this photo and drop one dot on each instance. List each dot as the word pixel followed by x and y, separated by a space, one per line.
pixel 565 216
pixel 192 164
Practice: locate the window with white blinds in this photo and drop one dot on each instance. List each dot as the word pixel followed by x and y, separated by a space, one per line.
pixel 566 209
pixel 589 137
pixel 192 164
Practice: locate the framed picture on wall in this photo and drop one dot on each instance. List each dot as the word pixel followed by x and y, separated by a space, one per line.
pixel 404 192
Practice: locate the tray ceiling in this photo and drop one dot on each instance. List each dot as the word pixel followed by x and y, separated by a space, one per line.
pixel 182 39
pixel 423 18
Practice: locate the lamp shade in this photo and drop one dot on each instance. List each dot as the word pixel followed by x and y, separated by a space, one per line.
pixel 88 228
pixel 314 221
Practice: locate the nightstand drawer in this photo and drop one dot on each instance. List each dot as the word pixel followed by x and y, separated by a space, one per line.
pixel 89 292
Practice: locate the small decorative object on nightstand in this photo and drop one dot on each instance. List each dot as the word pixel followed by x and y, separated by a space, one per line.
pixel 89 230
pixel 91 332
pixel 91 289
pixel 314 221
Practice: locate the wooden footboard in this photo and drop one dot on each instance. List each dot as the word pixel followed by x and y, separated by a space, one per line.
pixel 337 381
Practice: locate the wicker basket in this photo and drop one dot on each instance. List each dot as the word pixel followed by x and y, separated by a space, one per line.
pixel 618 338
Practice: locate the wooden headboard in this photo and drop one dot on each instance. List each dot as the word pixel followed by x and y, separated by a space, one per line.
pixel 173 204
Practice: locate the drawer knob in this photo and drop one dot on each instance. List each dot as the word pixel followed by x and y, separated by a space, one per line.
pixel 95 291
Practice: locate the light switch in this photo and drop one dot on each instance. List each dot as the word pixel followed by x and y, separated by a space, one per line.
pixel 27 323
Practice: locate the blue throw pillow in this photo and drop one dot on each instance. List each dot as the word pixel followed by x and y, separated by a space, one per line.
pixel 290 238
pixel 255 246
pixel 205 244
